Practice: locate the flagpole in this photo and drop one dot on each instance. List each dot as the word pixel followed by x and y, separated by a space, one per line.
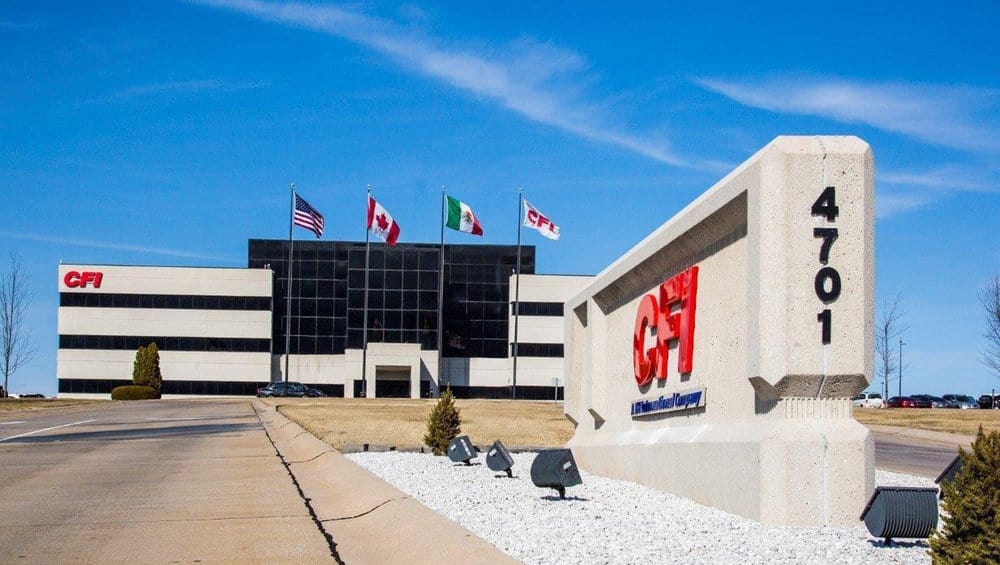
pixel 364 350
pixel 288 290
pixel 517 288
pixel 440 320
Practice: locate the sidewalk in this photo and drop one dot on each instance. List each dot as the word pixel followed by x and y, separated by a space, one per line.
pixel 944 438
pixel 368 520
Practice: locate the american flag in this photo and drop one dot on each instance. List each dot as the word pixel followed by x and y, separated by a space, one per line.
pixel 308 217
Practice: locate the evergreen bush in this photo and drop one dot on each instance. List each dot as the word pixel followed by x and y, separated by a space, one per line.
pixel 146 369
pixel 443 424
pixel 971 521
pixel 134 392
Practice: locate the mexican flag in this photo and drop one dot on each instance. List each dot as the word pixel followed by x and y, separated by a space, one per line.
pixel 461 218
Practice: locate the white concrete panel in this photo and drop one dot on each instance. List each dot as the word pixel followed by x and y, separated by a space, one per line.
pixel 165 322
pixel 175 365
pixel 539 330
pixel 549 288
pixel 209 281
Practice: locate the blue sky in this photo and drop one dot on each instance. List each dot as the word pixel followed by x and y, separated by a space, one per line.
pixel 166 133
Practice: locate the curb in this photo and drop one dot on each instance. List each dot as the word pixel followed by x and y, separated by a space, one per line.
pixel 365 519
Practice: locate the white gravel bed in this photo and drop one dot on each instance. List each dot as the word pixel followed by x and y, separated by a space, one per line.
pixel 612 521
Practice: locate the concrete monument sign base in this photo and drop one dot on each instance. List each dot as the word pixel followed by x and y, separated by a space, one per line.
pixel 717 358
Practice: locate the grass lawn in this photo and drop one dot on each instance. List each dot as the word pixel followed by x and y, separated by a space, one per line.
pixel 965 422
pixel 15 404
pixel 347 423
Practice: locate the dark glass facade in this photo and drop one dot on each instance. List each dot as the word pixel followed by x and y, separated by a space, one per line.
pixel 328 295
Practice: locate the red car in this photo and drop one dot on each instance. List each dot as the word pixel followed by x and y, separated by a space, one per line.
pixel 907 402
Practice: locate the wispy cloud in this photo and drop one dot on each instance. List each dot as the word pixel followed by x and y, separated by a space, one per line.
pixel 540 81
pixel 901 191
pixel 947 177
pixel 116 246
pixel 891 203
pixel 947 116
pixel 179 88
pixel 27 25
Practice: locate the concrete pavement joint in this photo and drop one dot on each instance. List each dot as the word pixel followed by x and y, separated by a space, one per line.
pixel 312 458
pixel 366 512
pixel 308 502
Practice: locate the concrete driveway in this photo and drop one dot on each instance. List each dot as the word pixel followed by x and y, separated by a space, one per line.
pixel 150 482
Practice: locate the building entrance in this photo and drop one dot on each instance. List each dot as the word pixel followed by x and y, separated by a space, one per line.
pixel 392 382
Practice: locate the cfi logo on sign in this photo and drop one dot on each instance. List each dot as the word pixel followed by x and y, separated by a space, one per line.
pixel 73 279
pixel 657 311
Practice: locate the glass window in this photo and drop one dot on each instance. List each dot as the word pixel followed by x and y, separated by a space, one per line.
pixel 411 260
pixel 394 279
pixel 393 299
pixel 429 261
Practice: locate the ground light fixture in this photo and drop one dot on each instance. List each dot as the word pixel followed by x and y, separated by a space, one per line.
pixel 949 472
pixel 901 512
pixel 460 450
pixel 555 468
pixel 498 459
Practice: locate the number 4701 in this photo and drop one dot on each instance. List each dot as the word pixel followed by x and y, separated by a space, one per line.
pixel 827 281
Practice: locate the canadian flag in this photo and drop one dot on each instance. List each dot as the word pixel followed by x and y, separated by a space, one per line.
pixel 380 222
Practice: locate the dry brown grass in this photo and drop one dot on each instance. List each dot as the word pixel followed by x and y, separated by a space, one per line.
pixel 15 404
pixel 965 422
pixel 347 423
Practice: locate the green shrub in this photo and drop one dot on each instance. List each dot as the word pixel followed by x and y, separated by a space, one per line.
pixel 146 369
pixel 134 392
pixel 971 521
pixel 443 424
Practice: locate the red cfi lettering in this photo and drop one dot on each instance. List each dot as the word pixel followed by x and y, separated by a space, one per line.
pixel 74 279
pixel 656 311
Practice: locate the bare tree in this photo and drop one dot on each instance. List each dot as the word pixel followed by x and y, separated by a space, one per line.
pixel 989 297
pixel 16 348
pixel 887 332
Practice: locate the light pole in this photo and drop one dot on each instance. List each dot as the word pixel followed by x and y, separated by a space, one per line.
pixel 900 367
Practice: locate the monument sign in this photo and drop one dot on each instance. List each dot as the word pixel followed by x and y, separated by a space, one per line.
pixel 717 358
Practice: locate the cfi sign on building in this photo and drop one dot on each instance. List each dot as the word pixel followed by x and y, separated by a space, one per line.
pixel 77 279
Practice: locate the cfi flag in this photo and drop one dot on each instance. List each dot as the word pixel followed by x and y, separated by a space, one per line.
pixel 535 219
pixel 307 217
pixel 461 218
pixel 380 222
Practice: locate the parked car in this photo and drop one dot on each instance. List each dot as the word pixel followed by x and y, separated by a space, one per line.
pixel 963 401
pixel 987 401
pixel 934 401
pixel 868 400
pixel 291 388
pixel 908 402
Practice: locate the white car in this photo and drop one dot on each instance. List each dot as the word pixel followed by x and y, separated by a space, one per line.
pixel 868 400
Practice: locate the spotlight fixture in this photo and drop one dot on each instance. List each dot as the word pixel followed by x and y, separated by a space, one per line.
pixel 499 459
pixel 460 450
pixel 901 512
pixel 949 472
pixel 555 468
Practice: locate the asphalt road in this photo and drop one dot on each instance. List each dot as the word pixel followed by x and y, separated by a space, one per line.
pixel 913 455
pixel 180 481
